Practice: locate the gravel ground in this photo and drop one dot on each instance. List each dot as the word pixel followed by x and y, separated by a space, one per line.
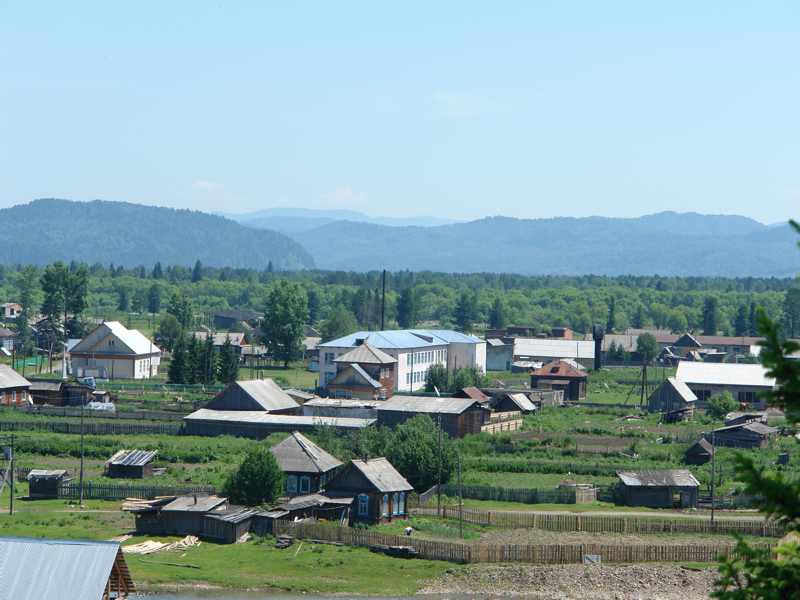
pixel 538 536
pixel 575 582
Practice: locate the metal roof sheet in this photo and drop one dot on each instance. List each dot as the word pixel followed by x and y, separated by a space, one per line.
pixel 45 474
pixel 367 355
pixel 32 569
pixel 299 454
pixel 366 377
pixel 132 458
pixel 427 404
pixel 267 393
pixel 667 477
pixel 403 338
pixel 702 373
pixel 382 474
pixel 343 403
pixel 754 426
pixel 548 348
pixel 195 503
pixel 9 378
pixel 522 401
pixel 682 389
pixel 255 417
pixel 137 342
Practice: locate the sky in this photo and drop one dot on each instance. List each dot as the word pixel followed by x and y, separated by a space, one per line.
pixel 454 109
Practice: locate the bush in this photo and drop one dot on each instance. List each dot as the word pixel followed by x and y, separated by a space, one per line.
pixel 720 405
pixel 258 480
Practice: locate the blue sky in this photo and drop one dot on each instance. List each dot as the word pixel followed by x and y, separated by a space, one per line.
pixel 459 109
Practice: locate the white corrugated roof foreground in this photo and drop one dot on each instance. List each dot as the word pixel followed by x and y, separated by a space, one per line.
pixel 723 374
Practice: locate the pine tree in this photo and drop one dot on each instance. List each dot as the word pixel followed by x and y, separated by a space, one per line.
pixel 611 321
pixel 710 316
pixel 158 273
pixel 638 317
pixel 178 365
pixel 197 272
pixel 740 323
pixel 228 364
pixel 154 299
pixel 407 309
pixel 466 311
pixel 752 320
pixel 497 316
pixel 193 361
pixel 123 299
pixel 313 306
pixel 208 362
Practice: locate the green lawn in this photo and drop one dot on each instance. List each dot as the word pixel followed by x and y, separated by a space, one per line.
pixel 432 528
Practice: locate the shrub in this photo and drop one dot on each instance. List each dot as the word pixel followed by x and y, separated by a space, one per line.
pixel 258 480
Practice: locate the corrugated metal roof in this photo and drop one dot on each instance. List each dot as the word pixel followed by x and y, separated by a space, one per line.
pixel 9 378
pixel 233 514
pixel 667 477
pixel 195 503
pixel 256 417
pixel 367 355
pixel 300 394
pixel 267 393
pixel 132 458
pixel 682 389
pixel 702 373
pixel 34 569
pixel 419 404
pixel 495 342
pixel 364 375
pixel 522 401
pixel 754 426
pixel 137 342
pixel 382 474
pixel 299 454
pixel 547 348
pixel 403 338
pixel 342 403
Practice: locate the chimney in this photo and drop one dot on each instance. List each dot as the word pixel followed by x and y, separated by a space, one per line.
pixel 360 341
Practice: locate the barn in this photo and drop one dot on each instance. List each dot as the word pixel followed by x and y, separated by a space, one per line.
pixel 672 488
pixel 674 399
pixel 130 464
pixel 699 453
pixel 513 402
pixel 752 434
pixel 458 416
pixel 44 484
pixel 255 395
pixel 561 375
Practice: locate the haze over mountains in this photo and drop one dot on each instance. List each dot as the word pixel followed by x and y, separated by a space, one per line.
pixel 128 234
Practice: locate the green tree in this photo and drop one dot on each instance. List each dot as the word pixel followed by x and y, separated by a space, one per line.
pixel 752 320
pixel 197 272
pixel 637 321
pixel 340 322
pixel 180 307
pixel 721 404
pixel 178 366
pixel 415 452
pixel 466 311
pixel 611 320
pixel 65 290
pixel 25 283
pixel 158 273
pixel 740 323
pixel 313 305
pixel 194 360
pixel 437 378
pixel 154 299
pixel 286 314
pixel 208 362
pixel 677 323
pixel 123 299
pixel 467 377
pixel 407 310
pixel 169 330
pixel 710 316
pixel 791 312
pixel 228 363
pixel 138 300
pixel 257 481
pixel 647 347
pixel 497 315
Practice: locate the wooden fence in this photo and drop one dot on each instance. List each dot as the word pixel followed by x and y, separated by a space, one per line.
pixel 92 427
pixel 534 553
pixel 605 523
pixel 110 491
pixel 567 495
pixel 137 415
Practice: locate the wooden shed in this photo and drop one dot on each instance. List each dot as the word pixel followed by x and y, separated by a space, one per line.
pixel 752 434
pixel 255 395
pixel 674 400
pixel 60 393
pixel 699 453
pixel 458 416
pixel 378 490
pixel 673 488
pixel 130 464
pixel 561 375
pixel 513 402
pixel 44 484
pixel 307 466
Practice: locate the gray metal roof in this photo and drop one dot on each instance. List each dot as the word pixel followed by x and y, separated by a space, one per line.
pixel 132 458
pixel 195 503
pixel 9 378
pixel 367 355
pixel 522 401
pixel 267 393
pixel 419 404
pixel 33 569
pixel 255 417
pixel 754 426
pixel 233 514
pixel 702 373
pixel 682 389
pixel 382 475
pixel 44 474
pixel 300 394
pixel 299 454
pixel 667 477
pixel 343 403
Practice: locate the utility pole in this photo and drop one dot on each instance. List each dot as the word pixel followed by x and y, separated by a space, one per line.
pixel 439 475
pixel 7 451
pixel 383 301
pixel 81 472
pixel 460 500
pixel 713 472
pixel 11 491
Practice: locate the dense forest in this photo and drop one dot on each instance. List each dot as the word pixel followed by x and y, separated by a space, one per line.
pixel 340 300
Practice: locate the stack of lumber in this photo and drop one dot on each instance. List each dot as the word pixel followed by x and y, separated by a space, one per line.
pixel 284 541
pixel 151 546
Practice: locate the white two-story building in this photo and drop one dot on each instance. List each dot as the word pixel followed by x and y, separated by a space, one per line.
pixel 416 351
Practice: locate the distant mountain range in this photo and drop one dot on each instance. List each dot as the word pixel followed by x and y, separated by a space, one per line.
pixel 127 234
pixel 299 220
pixel 666 243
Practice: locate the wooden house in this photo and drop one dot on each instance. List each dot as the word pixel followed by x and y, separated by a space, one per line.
pixel 255 395
pixel 45 484
pixel 14 388
pixel 60 393
pixel 377 490
pixel 674 400
pixel 752 434
pixel 364 372
pixel 458 416
pixel 130 464
pixel 8 340
pixel 63 570
pixel 699 453
pixel 673 488
pixel 513 402
pixel 561 375
pixel 307 466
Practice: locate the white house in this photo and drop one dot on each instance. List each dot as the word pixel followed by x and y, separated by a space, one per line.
pixel 416 351
pixel 112 351
pixel 10 310
pixel 546 350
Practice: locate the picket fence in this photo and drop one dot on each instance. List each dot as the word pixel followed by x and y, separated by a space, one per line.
pixel 489 553
pixel 603 523
pixel 92 428
pixel 567 495
pixel 106 491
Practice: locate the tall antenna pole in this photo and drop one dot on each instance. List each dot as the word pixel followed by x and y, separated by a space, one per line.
pixel 439 476
pixel 383 301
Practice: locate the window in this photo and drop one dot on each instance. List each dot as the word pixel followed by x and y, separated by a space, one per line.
pixel 385 505
pixel 748 397
pixel 305 484
pixel 329 356
pixel 291 484
pixel 401 505
pixel 395 503
pixel 363 505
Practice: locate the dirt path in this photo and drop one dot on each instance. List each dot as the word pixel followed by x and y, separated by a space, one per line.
pixel 577 582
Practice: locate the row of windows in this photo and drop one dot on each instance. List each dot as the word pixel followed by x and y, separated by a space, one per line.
pixel 295 483
pixel 398 504
pixel 426 356
pixel 416 377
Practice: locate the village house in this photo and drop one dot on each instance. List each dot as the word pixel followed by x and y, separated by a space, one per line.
pixel 258 424
pixel 416 351
pixel 674 399
pixel 307 466
pixel 112 351
pixel 715 346
pixel 365 372
pixel 699 453
pixel 63 570
pixel 14 388
pixel 229 319
pixel 745 382
pixel 562 376
pixel 673 488
pixel 60 393
pixel 8 339
pixel 43 484
pixel 377 489
pixel 254 395
pixel 130 464
pixel 10 310
pixel 458 416
pixel 751 434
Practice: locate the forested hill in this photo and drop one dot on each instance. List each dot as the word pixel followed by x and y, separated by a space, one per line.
pixel 131 234
pixel 663 244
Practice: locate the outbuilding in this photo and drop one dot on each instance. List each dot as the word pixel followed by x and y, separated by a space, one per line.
pixel 752 434
pixel 130 464
pixel 513 402
pixel 44 484
pixel 255 395
pixel 673 488
pixel 563 376
pixel 458 416
pixel 674 400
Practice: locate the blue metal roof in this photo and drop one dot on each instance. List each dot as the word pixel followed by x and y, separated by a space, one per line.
pixel 402 338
